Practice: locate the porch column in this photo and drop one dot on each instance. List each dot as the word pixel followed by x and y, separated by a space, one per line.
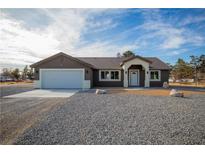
pixel 125 82
pixel 147 82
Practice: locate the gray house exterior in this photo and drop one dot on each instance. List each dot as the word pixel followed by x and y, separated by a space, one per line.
pixel 64 71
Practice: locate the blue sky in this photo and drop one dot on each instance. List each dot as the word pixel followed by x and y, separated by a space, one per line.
pixel 28 35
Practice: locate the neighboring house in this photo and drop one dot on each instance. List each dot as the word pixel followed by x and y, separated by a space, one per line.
pixel 4 78
pixel 64 71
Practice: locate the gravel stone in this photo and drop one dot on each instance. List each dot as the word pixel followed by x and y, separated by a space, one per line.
pixel 87 118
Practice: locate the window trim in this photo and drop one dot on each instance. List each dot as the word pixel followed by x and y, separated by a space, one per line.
pixel 159 72
pixel 100 79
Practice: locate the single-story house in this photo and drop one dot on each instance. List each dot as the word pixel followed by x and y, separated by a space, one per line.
pixel 64 71
pixel 4 78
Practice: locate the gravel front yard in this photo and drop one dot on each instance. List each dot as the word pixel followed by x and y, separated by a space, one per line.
pixel 121 119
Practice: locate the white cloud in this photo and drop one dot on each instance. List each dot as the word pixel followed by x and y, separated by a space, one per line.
pixel 173 42
pixel 176 52
pixel 167 35
pixel 170 36
pixel 191 20
pixel 67 26
pixel 20 45
pixel 102 49
pixel 102 25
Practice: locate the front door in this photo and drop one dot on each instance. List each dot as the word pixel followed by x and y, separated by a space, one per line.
pixel 134 77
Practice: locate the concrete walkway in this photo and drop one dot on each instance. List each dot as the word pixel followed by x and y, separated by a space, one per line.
pixel 44 93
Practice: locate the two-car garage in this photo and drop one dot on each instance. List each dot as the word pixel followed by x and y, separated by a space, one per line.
pixel 61 78
pixel 62 71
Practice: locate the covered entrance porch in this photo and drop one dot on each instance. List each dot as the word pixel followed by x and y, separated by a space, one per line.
pixel 136 76
pixel 136 73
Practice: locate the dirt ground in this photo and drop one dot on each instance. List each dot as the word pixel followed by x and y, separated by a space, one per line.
pixel 152 92
pixel 6 90
pixel 15 83
pixel 202 85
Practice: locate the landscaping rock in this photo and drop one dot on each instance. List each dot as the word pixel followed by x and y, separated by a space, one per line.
pixel 176 93
pixel 100 91
pixel 165 85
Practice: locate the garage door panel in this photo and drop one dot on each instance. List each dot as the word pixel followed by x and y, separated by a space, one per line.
pixel 62 78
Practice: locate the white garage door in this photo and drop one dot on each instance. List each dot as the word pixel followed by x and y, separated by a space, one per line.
pixel 61 78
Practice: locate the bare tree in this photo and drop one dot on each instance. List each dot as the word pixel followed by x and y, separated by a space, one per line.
pixel 25 72
pixel 16 74
pixel 6 72
pixel 30 74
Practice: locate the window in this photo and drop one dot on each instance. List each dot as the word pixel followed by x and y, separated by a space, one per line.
pixel 109 75
pixel 104 75
pixel 115 75
pixel 155 75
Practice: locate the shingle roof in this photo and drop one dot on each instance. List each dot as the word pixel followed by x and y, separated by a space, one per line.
pixel 157 63
pixel 60 54
pixel 103 62
pixel 108 62
pixel 114 62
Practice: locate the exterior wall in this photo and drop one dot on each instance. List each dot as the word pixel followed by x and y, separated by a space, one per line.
pixel 142 78
pixel 97 83
pixel 164 78
pixel 64 62
pixel 141 74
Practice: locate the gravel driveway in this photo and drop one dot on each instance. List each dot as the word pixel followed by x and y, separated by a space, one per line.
pixel 18 114
pixel 121 119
